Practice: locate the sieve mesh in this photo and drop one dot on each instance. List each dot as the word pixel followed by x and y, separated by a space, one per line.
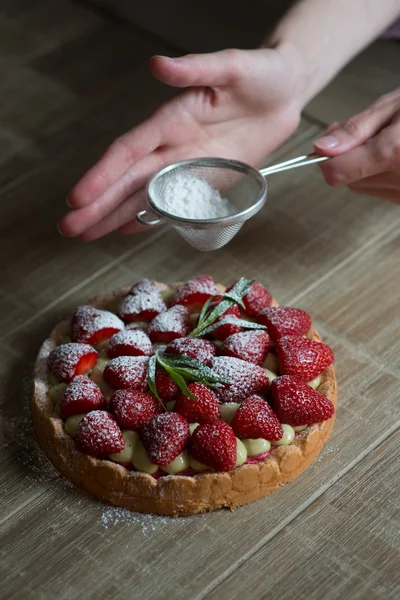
pixel 242 185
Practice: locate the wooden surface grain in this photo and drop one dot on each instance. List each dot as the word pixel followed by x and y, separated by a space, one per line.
pixel 73 79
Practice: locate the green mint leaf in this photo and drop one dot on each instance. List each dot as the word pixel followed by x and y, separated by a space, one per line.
pixel 180 381
pixel 232 320
pixel 151 378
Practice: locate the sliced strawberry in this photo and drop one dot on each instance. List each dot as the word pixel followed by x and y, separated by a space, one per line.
pixel 167 389
pixel 81 396
pixel 146 286
pixel 205 410
pixel 127 372
pixel 214 444
pixel 296 403
pixel 248 345
pixel 256 299
pixel 164 437
pixel 69 360
pixel 255 419
pixel 131 342
pixel 91 325
pixel 141 306
pixel 224 331
pixel 302 357
pixel 195 293
pixel 133 409
pixel 196 348
pixel 175 323
pixel 99 435
pixel 245 378
pixel 284 320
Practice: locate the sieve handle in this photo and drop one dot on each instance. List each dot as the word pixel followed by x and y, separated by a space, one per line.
pixel 140 218
pixel 293 163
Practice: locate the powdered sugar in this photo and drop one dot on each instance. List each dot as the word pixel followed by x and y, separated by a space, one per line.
pixel 193 198
pixel 63 360
pixel 130 342
pixel 246 378
pixel 141 306
pixel 176 319
pixel 127 372
pixel 201 350
pixel 99 434
pixel 149 524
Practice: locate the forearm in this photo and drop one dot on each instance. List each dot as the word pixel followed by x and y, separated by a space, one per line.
pixel 320 36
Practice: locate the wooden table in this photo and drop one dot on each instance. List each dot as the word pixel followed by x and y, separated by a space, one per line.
pixel 71 81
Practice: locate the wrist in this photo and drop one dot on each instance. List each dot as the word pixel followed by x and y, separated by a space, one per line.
pixel 296 69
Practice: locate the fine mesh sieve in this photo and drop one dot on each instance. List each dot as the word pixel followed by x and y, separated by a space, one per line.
pixel 244 187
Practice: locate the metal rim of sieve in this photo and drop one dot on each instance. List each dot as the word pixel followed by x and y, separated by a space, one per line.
pixel 209 162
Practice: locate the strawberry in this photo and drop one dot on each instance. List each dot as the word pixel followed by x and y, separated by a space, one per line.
pixel 224 331
pixel 214 444
pixel 196 348
pixel 284 320
pixel 205 410
pixel 245 378
pixel 296 403
pixel 127 372
pixel 141 306
pixel 99 435
pixel 255 419
pixel 81 396
pixel 166 387
pixel 164 437
pixel 256 299
pixel 248 345
pixel 302 357
pixel 133 409
pixel 131 342
pixel 175 323
pixel 144 286
pixel 91 325
pixel 195 293
pixel 69 360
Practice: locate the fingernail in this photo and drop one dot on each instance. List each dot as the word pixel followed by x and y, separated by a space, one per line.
pixel 327 142
pixel 68 202
pixel 59 230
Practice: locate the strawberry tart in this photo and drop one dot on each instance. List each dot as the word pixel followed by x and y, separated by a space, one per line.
pixel 178 399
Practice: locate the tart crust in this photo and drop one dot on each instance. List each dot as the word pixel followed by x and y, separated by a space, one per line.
pixel 172 495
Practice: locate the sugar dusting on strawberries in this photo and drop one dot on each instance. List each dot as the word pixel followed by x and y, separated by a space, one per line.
pixel 246 378
pixel 88 320
pixel 135 305
pixel 135 339
pixel 64 359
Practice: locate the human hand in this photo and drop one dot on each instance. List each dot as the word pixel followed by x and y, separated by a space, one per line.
pixel 238 104
pixel 366 150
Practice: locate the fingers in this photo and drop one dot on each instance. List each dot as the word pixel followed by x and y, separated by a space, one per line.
pixel 125 151
pixel 380 154
pixel 360 128
pixel 385 185
pixel 213 69
pixel 77 221
pixel 123 214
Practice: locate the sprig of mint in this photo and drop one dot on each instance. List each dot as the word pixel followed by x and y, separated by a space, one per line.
pixel 180 368
pixel 208 316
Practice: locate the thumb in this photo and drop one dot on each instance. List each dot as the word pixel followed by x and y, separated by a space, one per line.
pixel 355 131
pixel 213 69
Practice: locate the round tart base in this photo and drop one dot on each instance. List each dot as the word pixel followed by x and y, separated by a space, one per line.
pixel 172 495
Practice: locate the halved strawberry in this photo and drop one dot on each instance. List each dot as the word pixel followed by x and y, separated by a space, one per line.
pixel 284 320
pixel 131 342
pixel 132 409
pixel 214 444
pixel 146 286
pixel 205 410
pixel 197 348
pixel 302 357
pixel 167 389
pixel 255 419
pixel 256 299
pixel 248 345
pixel 175 323
pixel 91 325
pixel 296 403
pixel 99 435
pixel 195 293
pixel 81 396
pixel 224 331
pixel 127 372
pixel 164 437
pixel 69 360
pixel 141 306
pixel 245 378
